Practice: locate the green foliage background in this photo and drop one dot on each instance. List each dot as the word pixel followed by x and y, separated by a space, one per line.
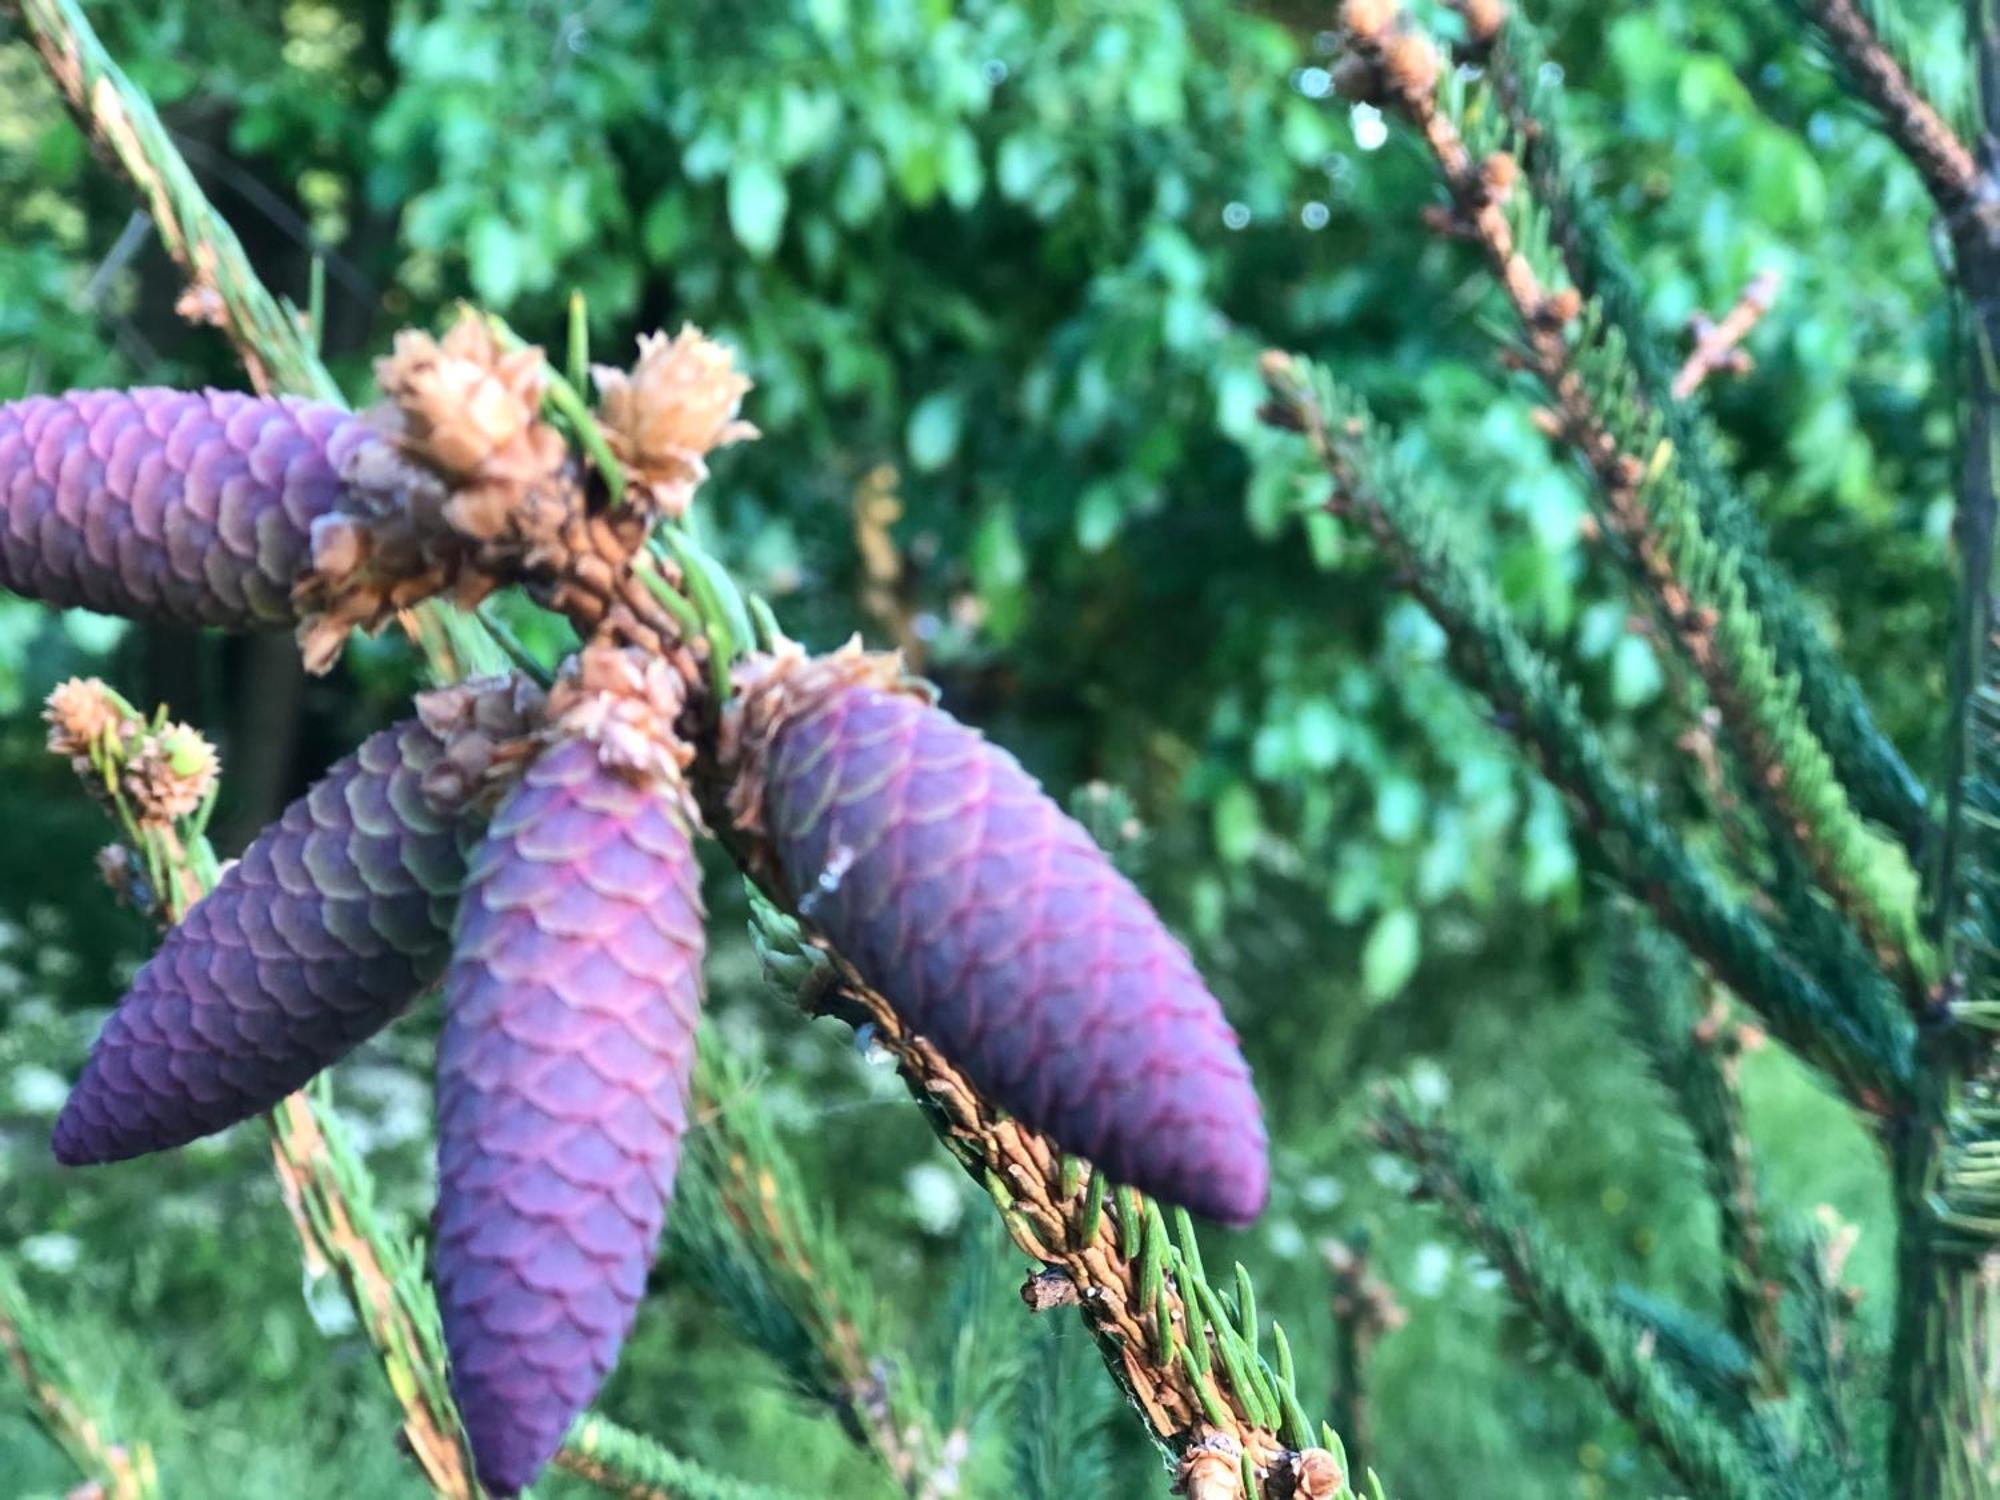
pixel 1026 252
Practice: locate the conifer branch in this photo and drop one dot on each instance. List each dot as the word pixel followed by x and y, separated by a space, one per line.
pixel 1166 1333
pixel 1882 76
pixel 165 866
pixel 1945 1359
pixel 1866 1049
pixel 1057 1445
pixel 757 1243
pixel 634 1467
pixel 1822 1332
pixel 1694 584
pixel 1576 1315
pixel 122 123
pixel 1703 1355
pixel 1696 1054
pixel 114 1471
pixel 1364 1310
pixel 1179 1346
pixel 1869 765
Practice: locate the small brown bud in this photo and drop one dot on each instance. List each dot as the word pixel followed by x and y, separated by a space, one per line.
pixel 664 417
pixel 1443 220
pixel 170 774
pixel 1316 1475
pixel 1561 308
pixel 1497 176
pixel 1049 1289
pixel 1366 20
pixel 1212 1469
pixel 1412 65
pixel 120 872
pixel 1483 20
pixel 463 399
pixel 624 702
pixel 1358 80
pixel 202 304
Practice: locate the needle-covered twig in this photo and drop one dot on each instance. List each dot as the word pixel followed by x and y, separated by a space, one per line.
pixel 325 1184
pixel 114 1470
pixel 1577 1316
pixel 1364 1310
pixel 1694 583
pixel 1866 1050
pixel 1696 1053
pixel 1528 89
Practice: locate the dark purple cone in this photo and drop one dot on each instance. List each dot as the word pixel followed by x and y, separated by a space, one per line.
pixel 188 506
pixel 998 930
pixel 570 1013
pixel 331 923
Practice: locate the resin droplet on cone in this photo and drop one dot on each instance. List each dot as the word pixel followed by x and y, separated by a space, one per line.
pixel 195 507
pixel 570 1013
pixel 332 922
pixel 998 929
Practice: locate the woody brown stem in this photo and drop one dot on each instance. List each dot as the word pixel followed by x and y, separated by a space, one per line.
pixel 1945 163
pixel 1718 345
pixel 1364 1309
pixel 275 351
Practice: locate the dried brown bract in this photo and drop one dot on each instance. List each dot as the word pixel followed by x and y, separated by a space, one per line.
pixel 625 703
pixel 468 408
pixel 169 774
pixel 81 713
pixel 488 726
pixel 665 415
pixel 1212 1468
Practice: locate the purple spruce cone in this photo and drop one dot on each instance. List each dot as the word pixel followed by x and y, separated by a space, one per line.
pixel 996 927
pixel 331 923
pixel 570 1013
pixel 195 507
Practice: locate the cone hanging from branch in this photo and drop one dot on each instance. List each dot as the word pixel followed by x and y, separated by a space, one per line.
pixel 995 926
pixel 570 1013
pixel 334 920
pixel 190 506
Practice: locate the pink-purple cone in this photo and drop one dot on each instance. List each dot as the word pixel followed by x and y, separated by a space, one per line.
pixel 570 1012
pixel 190 506
pixel 331 923
pixel 998 930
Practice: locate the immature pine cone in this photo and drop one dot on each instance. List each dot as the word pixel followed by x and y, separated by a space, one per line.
pixel 194 507
pixel 570 1012
pixel 996 928
pixel 331 923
